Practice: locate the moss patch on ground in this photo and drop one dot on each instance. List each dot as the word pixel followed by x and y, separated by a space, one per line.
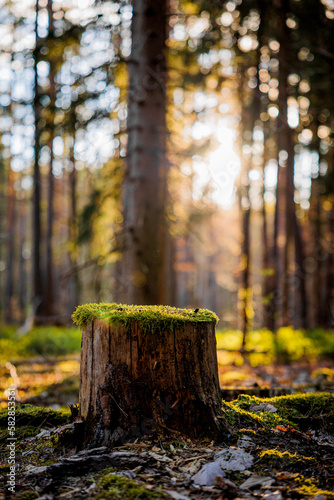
pixel 150 318
pixel 279 459
pixel 112 485
pixel 309 488
pixel 34 416
pixel 300 410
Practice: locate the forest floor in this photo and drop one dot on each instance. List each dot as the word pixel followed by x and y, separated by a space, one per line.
pixel 281 447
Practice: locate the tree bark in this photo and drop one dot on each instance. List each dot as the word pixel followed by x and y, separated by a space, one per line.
pixel 73 226
pixel 144 262
pixel 267 301
pixel 134 382
pixel 37 294
pixel 289 233
pixel 10 246
pixel 49 291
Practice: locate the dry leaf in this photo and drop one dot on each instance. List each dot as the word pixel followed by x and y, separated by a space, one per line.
pixel 234 459
pixel 207 475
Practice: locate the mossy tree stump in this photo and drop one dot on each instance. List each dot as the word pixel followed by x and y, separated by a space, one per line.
pixel 148 367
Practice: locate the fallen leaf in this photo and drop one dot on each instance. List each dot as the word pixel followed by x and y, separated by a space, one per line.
pixel 176 495
pixel 208 474
pixel 287 475
pixel 254 481
pixel 272 495
pixel 234 459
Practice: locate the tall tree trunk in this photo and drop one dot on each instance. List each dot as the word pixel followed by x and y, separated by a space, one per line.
pixel 143 263
pixel 49 291
pixel 290 237
pixel 267 322
pixel 301 275
pixel 276 251
pixel 2 230
pixel 36 216
pixel 73 223
pixel 10 247
pixel 246 272
pixel 328 291
pixel 22 267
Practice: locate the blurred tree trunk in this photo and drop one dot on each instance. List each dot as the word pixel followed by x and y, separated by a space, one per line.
pixel 10 246
pixel 145 226
pixel 22 267
pixel 246 124
pixel 73 222
pixel 328 289
pixel 2 228
pixel 267 322
pixel 38 289
pixel 290 238
pixel 48 308
pixel 276 251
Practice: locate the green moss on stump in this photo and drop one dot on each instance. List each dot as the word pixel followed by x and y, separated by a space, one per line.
pixel 150 318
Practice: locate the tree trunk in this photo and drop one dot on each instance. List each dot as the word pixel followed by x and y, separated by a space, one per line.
pixel 10 246
pixel 37 294
pixel 267 312
pixel 73 226
pixel 49 291
pixel 23 285
pixel 133 381
pixel 144 263
pixel 3 231
pixel 289 237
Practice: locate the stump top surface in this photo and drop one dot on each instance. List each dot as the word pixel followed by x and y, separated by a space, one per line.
pixel 151 318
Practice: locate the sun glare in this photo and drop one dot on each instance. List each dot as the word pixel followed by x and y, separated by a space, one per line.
pixel 221 168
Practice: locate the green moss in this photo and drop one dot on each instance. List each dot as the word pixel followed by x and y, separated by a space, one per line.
pixel 113 486
pixel 238 417
pixel 278 458
pixel 299 410
pixel 309 488
pixel 150 318
pixel 27 495
pixel 33 416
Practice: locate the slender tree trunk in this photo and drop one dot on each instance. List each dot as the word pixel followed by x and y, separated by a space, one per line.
pixel 36 217
pixel 290 237
pixel 246 272
pixel 301 280
pixel 49 291
pixel 73 224
pixel 143 264
pixel 267 322
pixel 276 254
pixel 328 292
pixel 10 247
pixel 22 267
pixel 2 230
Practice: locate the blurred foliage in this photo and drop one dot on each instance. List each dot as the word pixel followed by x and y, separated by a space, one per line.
pixel 288 345
pixel 45 341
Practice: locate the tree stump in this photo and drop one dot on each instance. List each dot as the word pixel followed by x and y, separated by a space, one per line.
pixel 145 368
